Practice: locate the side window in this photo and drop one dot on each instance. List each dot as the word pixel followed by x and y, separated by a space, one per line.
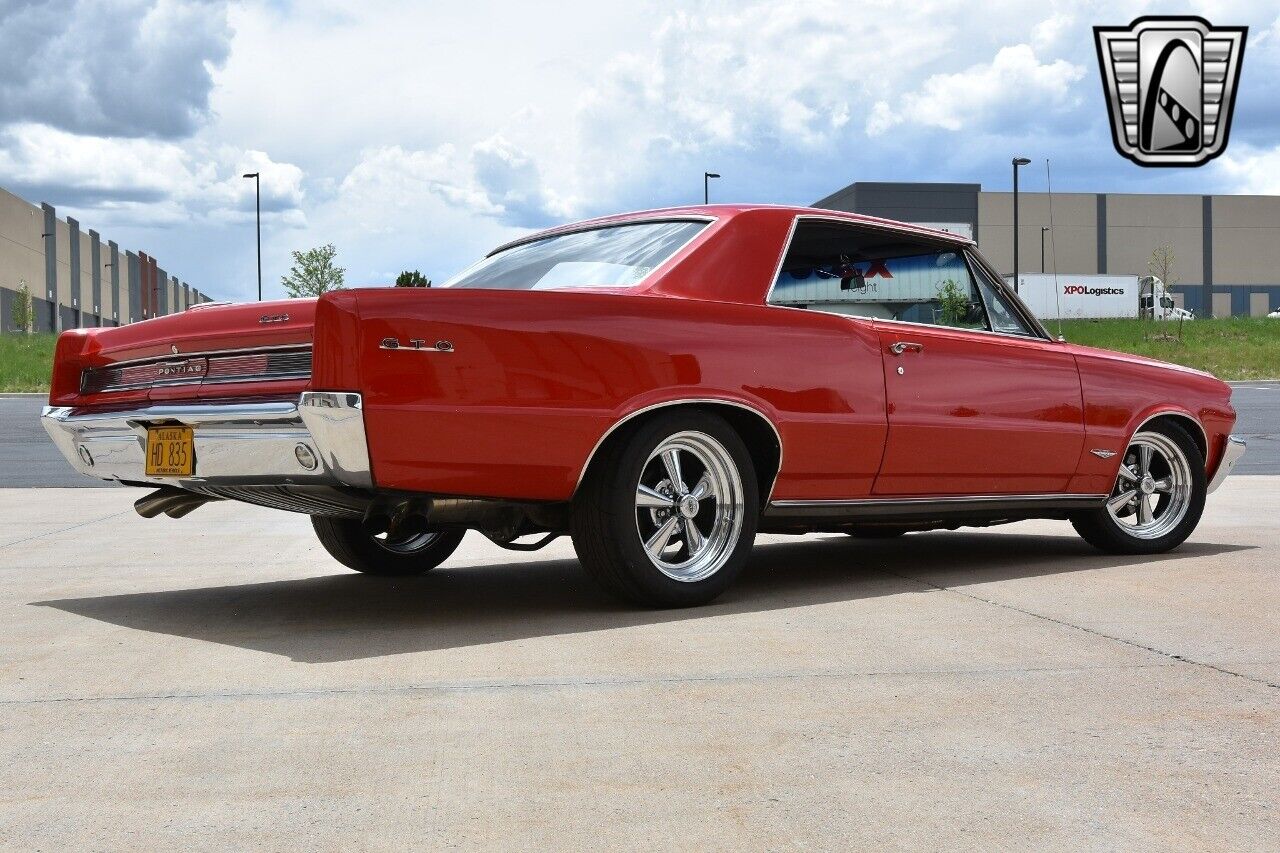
pixel 869 272
pixel 1000 312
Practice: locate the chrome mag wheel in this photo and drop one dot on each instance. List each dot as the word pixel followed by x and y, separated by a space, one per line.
pixel 1153 489
pixel 689 506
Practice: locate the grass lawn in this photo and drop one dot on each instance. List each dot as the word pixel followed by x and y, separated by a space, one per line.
pixel 1229 348
pixel 26 362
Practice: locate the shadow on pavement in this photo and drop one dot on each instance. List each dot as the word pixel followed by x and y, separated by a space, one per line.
pixel 352 617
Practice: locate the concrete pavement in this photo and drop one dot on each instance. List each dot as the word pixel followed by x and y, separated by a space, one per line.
pixel 218 682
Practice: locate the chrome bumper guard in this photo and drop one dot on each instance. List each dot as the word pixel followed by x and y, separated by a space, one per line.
pixel 1230 456
pixel 236 444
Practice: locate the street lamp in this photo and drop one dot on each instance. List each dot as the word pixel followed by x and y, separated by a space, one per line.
pixel 257 207
pixel 1017 161
pixel 1043 229
pixel 706 187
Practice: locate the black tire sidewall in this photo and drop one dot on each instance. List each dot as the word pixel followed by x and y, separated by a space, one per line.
pixel 347 542
pixel 1103 531
pixel 641 579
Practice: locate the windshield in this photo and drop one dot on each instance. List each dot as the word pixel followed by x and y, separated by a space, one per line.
pixel 616 256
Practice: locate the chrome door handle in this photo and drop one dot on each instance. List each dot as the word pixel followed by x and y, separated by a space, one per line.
pixel 902 346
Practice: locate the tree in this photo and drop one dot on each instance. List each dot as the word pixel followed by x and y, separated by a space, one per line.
pixel 23 316
pixel 412 278
pixel 313 272
pixel 1161 265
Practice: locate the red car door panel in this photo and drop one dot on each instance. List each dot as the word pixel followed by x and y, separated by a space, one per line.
pixel 974 413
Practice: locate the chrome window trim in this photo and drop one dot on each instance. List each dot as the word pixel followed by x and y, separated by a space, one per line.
pixel 596 226
pixel 692 401
pixel 999 283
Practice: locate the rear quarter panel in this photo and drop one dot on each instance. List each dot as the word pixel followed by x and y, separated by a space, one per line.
pixel 536 378
pixel 1122 391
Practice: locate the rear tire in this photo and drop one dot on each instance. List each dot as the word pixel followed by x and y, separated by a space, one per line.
pixel 349 543
pixel 667 514
pixel 1157 499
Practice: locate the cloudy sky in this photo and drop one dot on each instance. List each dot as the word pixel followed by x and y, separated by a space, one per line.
pixel 418 135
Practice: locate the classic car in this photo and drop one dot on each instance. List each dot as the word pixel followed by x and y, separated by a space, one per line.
pixel 660 386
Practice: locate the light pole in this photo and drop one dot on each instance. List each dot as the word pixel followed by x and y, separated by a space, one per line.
pixel 1017 161
pixel 706 186
pixel 1043 229
pixel 257 208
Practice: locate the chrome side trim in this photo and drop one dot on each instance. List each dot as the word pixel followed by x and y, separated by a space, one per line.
pixel 1231 454
pixel 690 401
pixel 853 502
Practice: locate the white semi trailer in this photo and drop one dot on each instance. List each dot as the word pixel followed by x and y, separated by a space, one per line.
pixel 1098 296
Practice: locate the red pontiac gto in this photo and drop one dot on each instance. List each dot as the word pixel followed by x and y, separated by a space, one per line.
pixel 660 386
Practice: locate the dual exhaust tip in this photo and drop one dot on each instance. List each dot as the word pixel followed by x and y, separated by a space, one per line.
pixel 174 503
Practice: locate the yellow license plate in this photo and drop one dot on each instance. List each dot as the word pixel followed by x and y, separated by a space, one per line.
pixel 171 451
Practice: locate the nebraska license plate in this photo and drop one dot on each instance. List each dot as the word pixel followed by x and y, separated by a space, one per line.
pixel 170 451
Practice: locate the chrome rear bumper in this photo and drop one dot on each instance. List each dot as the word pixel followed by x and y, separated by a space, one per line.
pixel 1230 456
pixel 236 444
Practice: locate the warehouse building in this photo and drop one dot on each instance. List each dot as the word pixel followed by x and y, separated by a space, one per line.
pixel 74 278
pixel 1226 248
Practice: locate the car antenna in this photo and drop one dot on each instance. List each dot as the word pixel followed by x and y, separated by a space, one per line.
pixel 1053 249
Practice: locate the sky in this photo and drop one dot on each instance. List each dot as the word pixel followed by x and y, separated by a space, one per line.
pixel 420 135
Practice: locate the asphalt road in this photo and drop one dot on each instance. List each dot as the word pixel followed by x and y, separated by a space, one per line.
pixel 219 682
pixel 28 458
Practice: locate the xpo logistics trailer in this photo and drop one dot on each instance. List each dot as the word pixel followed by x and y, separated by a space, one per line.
pixel 1097 296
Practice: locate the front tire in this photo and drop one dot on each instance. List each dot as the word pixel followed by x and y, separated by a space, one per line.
pixel 667 515
pixel 1157 499
pixel 349 543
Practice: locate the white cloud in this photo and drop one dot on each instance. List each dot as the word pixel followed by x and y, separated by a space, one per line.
pixel 1015 80
pixel 145 180
pixel 1251 171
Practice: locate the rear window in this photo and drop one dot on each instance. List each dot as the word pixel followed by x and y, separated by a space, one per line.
pixel 616 256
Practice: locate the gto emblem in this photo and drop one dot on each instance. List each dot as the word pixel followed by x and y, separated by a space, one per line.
pixel 273 318
pixel 418 344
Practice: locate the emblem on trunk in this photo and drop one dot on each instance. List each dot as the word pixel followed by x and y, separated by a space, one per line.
pixel 418 344
pixel 1170 84
pixel 273 318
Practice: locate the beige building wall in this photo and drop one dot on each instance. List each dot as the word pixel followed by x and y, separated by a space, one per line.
pixel 1137 224
pixel 21 249
pixel 22 258
pixel 1074 235
pixel 1246 240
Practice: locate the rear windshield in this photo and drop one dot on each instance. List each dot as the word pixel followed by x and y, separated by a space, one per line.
pixel 617 256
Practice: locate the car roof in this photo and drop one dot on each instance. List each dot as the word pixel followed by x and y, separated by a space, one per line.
pixel 728 211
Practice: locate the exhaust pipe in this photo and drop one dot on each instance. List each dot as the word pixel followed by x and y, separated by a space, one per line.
pixel 174 503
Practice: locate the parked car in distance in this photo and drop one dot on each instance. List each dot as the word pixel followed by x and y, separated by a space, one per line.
pixel 660 386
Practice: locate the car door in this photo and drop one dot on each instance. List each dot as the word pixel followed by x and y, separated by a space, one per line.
pixel 978 403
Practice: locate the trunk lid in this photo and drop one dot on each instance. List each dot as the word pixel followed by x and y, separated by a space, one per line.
pixel 255 349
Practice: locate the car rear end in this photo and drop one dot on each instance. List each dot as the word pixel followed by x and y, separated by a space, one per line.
pixel 215 402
